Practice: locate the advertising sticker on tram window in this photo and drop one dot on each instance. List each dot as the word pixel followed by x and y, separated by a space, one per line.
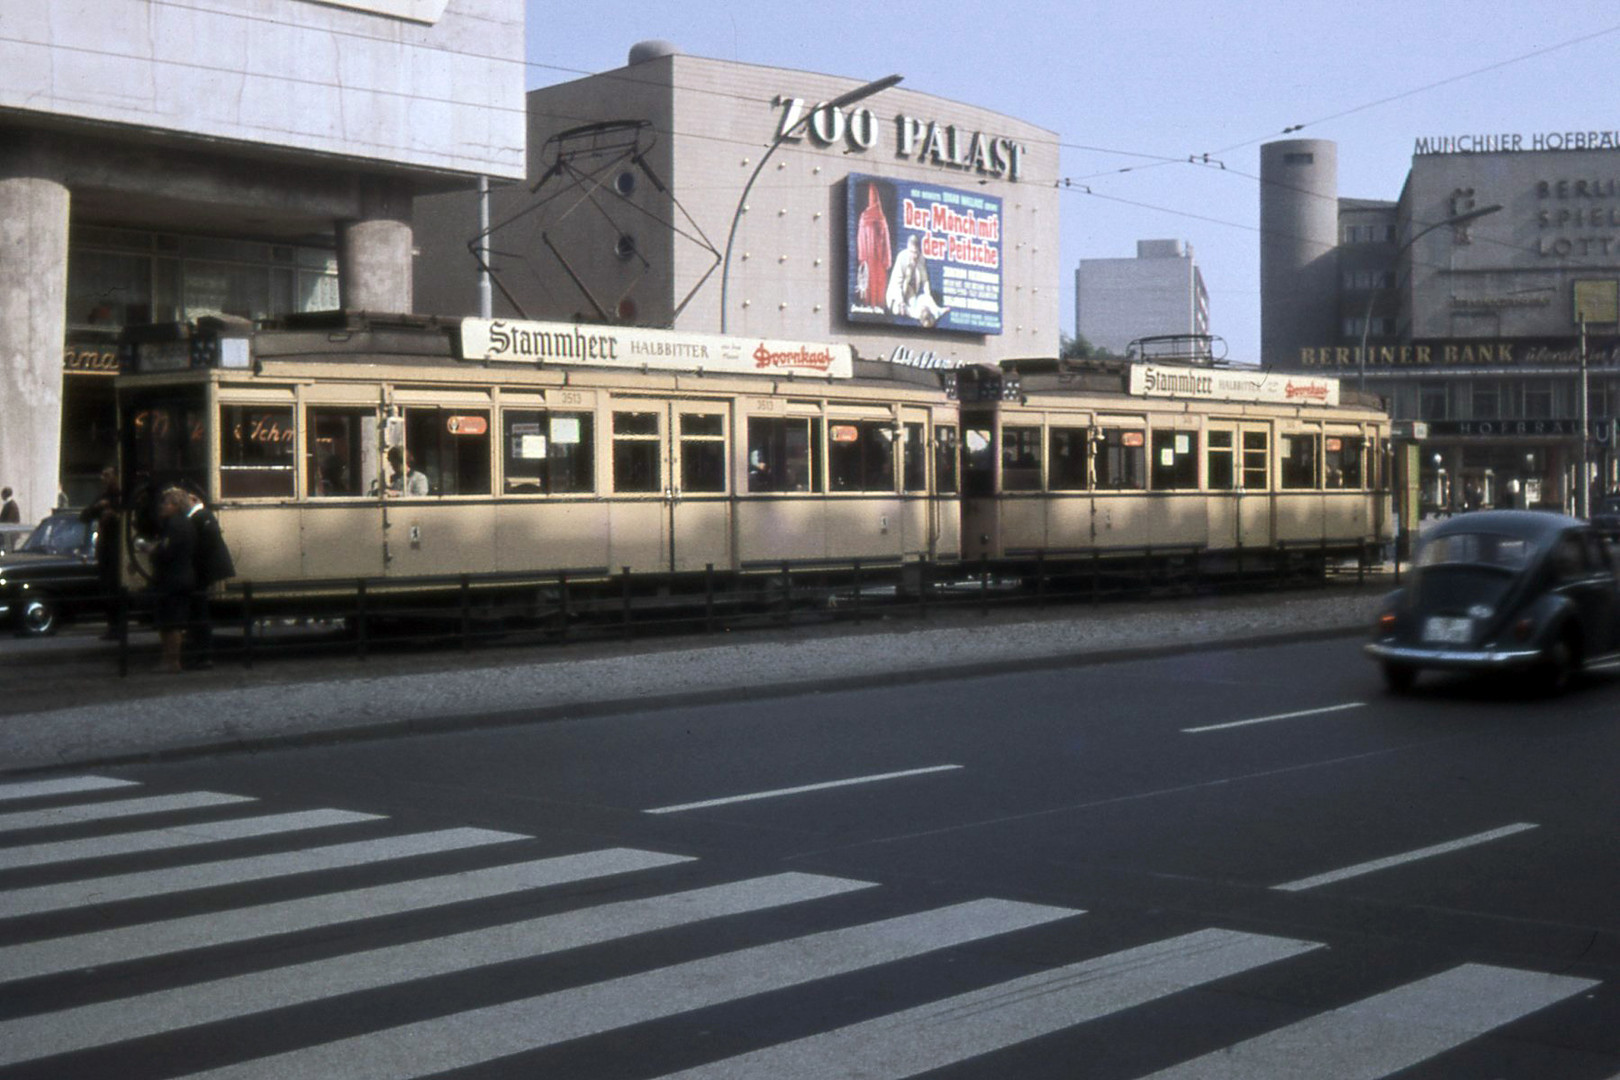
pixel 565 430
pixel 923 255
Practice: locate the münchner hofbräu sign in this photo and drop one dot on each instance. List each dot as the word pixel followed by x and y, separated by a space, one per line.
pixel 522 342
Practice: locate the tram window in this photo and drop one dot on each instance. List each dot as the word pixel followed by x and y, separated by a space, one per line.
pixel 550 453
pixel 860 455
pixel 784 454
pixel 1020 459
pixel 164 437
pixel 636 456
pixel 703 452
pixel 1298 461
pixel 255 451
pixel 449 448
pixel 1256 467
pixel 1121 459
pixel 1218 461
pixel 341 457
pixel 1175 460
pixel 979 461
pixel 1067 460
pixel 914 474
pixel 945 457
pixel 1342 459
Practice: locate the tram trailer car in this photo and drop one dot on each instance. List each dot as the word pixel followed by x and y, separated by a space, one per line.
pixel 340 449
pixel 1234 469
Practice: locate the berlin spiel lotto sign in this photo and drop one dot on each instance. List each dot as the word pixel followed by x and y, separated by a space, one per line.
pixel 541 343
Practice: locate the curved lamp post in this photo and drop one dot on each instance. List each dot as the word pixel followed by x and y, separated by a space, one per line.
pixel 839 102
pixel 1366 322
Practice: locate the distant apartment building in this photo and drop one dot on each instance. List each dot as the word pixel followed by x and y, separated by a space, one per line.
pixel 1160 292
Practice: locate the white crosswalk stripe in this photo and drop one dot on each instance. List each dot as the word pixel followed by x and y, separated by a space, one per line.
pixel 64 785
pixel 102 811
pixel 152 1014
pixel 1387 1032
pixel 1384 1033
pixel 107 890
pixel 956 1029
pixel 71 953
pixel 207 832
pixel 480 1035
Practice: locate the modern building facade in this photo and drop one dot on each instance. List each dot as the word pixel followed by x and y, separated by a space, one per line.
pixel 1462 303
pixel 911 227
pixel 1159 293
pixel 163 161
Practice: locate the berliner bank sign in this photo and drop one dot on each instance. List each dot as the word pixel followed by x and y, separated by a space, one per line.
pixel 923 255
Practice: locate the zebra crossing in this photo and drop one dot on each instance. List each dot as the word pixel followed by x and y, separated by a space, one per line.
pixel 1374 1036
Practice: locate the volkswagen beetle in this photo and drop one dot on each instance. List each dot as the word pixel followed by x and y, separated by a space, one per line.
pixel 1502 590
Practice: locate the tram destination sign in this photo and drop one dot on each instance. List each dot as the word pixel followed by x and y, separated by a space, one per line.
pixel 1232 384
pixel 517 341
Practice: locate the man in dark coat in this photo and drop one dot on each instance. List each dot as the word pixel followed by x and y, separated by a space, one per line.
pixel 103 515
pixel 212 563
pixel 174 577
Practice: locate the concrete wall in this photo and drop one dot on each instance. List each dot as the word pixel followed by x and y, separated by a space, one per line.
pixel 285 73
pixel 711 120
pixel 1299 239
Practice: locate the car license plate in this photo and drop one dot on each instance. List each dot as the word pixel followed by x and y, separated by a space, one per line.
pixel 1444 631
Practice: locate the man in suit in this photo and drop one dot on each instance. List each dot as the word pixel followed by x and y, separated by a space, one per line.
pixel 211 562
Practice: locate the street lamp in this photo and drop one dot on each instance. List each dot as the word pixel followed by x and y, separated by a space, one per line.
pixel 839 102
pixel 1366 322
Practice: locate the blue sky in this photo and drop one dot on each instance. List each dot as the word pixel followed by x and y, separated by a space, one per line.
pixel 1134 89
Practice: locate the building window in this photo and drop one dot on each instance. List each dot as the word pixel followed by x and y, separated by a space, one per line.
pixel 1299 158
pixel 1538 400
pixel 1487 401
pixel 1432 401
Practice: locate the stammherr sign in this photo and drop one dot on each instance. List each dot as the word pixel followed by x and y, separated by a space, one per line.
pixel 523 342
pixel 1227 384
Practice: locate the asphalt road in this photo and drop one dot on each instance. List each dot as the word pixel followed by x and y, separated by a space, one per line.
pixel 1245 863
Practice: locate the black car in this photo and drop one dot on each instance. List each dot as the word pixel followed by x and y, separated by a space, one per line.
pixel 1606 516
pixel 52 577
pixel 1502 590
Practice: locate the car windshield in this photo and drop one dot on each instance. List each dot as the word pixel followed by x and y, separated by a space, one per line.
pixel 1476 549
pixel 59 535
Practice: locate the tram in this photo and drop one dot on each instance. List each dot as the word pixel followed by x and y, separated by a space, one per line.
pixel 410 453
pixel 1127 459
pixel 404 449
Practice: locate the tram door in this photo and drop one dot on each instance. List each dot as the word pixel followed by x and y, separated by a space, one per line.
pixel 671 504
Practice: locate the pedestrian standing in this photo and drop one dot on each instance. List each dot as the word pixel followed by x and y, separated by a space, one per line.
pixel 174 577
pixel 10 512
pixel 212 564
pixel 103 515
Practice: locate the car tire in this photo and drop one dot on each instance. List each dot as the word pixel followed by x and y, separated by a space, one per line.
pixel 38 617
pixel 1558 665
pixel 1399 678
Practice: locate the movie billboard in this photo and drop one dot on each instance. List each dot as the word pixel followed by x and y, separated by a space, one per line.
pixel 923 255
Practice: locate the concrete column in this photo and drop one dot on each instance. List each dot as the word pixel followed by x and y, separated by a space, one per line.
pixel 374 251
pixel 33 324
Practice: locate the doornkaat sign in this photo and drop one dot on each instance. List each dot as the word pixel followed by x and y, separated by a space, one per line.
pixel 541 343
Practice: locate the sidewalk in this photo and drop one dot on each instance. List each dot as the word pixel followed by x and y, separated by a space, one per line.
pixel 88 718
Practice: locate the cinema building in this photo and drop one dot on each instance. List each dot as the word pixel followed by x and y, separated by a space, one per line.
pixel 912 228
pixel 1462 303
pixel 167 162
